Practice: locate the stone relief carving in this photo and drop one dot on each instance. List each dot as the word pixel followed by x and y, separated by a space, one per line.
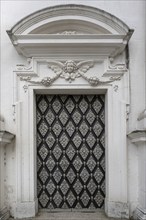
pixel 116 69
pixel 116 88
pixel 46 81
pixel 69 70
pixel 68 33
pixel 25 87
pixel 25 78
pixel 118 66
pixel 30 69
pixel 95 81
pixel 22 67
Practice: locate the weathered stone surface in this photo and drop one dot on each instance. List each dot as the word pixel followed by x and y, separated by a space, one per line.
pixel 98 215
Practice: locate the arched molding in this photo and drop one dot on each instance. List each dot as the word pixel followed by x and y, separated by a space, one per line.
pixel 70 25
pixel 52 13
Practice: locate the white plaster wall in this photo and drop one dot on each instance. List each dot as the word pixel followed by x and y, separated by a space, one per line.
pixel 132 13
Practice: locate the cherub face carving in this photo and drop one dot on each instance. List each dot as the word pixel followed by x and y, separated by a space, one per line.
pixel 70 66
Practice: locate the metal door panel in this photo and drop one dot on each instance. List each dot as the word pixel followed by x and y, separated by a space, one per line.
pixel 70 151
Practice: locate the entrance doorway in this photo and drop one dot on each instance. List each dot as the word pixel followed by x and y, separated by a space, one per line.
pixel 70 151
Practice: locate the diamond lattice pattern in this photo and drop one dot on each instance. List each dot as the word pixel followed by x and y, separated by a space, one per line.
pixel 71 152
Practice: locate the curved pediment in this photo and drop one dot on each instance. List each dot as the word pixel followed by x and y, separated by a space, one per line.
pixel 70 27
pixel 87 18
pixel 67 26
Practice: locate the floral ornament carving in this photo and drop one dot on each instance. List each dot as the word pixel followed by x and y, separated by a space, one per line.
pixel 118 67
pixel 25 78
pixel 68 33
pixel 69 70
pixel 46 81
pixel 116 88
pixel 25 87
pixel 95 81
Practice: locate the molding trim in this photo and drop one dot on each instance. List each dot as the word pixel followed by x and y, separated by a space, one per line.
pixel 94 33
pixel 69 70
pixel 47 81
pixel 69 9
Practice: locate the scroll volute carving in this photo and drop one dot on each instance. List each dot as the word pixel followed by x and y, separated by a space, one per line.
pixel 69 70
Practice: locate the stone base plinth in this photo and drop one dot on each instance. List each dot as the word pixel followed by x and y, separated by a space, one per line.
pixel 26 209
pixel 117 209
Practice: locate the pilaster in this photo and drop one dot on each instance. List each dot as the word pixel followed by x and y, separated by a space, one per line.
pixel 138 137
pixel 5 138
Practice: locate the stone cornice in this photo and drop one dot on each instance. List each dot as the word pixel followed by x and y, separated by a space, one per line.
pixel 97 36
pixel 69 9
pixel 43 45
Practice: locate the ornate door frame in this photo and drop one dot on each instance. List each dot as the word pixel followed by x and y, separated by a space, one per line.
pixel 115 135
pixel 72 62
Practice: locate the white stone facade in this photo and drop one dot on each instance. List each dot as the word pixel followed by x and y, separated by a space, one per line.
pixel 79 31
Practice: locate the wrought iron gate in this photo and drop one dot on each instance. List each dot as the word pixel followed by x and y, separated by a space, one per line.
pixel 70 151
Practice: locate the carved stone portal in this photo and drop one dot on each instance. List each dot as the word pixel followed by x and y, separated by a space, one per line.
pixel 70 70
pixel 71 56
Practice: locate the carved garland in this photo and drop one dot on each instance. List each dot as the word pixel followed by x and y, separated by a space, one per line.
pixel 70 70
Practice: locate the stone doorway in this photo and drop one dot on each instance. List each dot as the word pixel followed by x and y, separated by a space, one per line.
pixel 70 151
pixel 99 67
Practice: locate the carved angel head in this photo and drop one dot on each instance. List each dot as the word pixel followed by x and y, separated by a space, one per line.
pixel 70 66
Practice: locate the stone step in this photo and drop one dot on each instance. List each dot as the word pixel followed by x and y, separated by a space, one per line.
pixel 100 215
